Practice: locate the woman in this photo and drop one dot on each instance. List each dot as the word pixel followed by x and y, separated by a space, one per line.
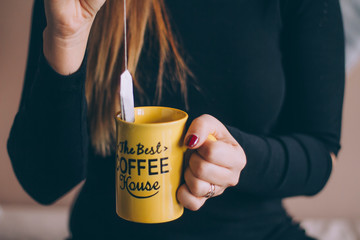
pixel 266 78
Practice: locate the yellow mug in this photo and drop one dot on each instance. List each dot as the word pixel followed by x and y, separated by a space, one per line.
pixel 149 161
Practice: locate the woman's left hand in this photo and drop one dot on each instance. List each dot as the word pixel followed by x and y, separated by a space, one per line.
pixel 212 163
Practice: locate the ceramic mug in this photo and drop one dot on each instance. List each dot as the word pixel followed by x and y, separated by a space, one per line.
pixel 149 161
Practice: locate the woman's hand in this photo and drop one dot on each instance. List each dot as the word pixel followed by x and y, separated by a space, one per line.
pixel 217 162
pixel 67 32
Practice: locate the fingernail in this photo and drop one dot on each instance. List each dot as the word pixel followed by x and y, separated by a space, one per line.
pixel 192 141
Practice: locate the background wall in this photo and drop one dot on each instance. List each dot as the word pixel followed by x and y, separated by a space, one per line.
pixel 340 198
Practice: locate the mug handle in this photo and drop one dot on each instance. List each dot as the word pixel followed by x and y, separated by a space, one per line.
pixel 211 138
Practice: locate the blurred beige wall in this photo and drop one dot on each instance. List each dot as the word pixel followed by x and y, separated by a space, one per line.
pixel 340 198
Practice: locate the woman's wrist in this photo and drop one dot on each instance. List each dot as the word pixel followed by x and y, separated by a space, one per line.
pixel 65 54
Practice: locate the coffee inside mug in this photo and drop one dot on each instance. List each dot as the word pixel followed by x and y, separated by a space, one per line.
pixel 153 115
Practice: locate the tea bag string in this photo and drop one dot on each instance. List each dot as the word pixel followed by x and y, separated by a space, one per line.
pixel 126 85
pixel 125 39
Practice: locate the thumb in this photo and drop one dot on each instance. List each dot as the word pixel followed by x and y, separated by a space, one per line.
pixel 204 128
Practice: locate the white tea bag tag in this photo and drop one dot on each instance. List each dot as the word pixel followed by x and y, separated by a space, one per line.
pixel 127 97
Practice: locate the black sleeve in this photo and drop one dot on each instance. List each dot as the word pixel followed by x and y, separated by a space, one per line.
pixel 48 140
pixel 296 159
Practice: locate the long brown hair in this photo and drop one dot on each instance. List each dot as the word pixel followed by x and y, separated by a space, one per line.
pixel 105 61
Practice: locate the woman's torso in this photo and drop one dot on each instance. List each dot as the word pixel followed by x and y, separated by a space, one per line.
pixel 233 48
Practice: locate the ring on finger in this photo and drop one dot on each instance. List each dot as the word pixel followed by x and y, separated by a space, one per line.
pixel 211 191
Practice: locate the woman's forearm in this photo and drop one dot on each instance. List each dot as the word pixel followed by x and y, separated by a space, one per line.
pixel 284 165
pixel 48 141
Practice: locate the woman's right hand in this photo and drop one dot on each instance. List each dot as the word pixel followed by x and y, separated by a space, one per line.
pixel 67 32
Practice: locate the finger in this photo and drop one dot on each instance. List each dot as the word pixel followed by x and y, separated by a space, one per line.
pixel 204 126
pixel 188 200
pixel 216 151
pixel 187 156
pixel 209 172
pixel 200 188
pixel 197 187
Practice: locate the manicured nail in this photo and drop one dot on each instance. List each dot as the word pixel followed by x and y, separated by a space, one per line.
pixel 192 141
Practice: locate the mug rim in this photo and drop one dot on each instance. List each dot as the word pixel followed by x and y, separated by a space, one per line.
pixel 184 118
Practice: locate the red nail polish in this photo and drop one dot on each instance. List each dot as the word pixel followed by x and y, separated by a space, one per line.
pixel 192 141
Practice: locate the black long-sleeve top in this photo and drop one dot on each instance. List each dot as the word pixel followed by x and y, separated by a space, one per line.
pixel 271 71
